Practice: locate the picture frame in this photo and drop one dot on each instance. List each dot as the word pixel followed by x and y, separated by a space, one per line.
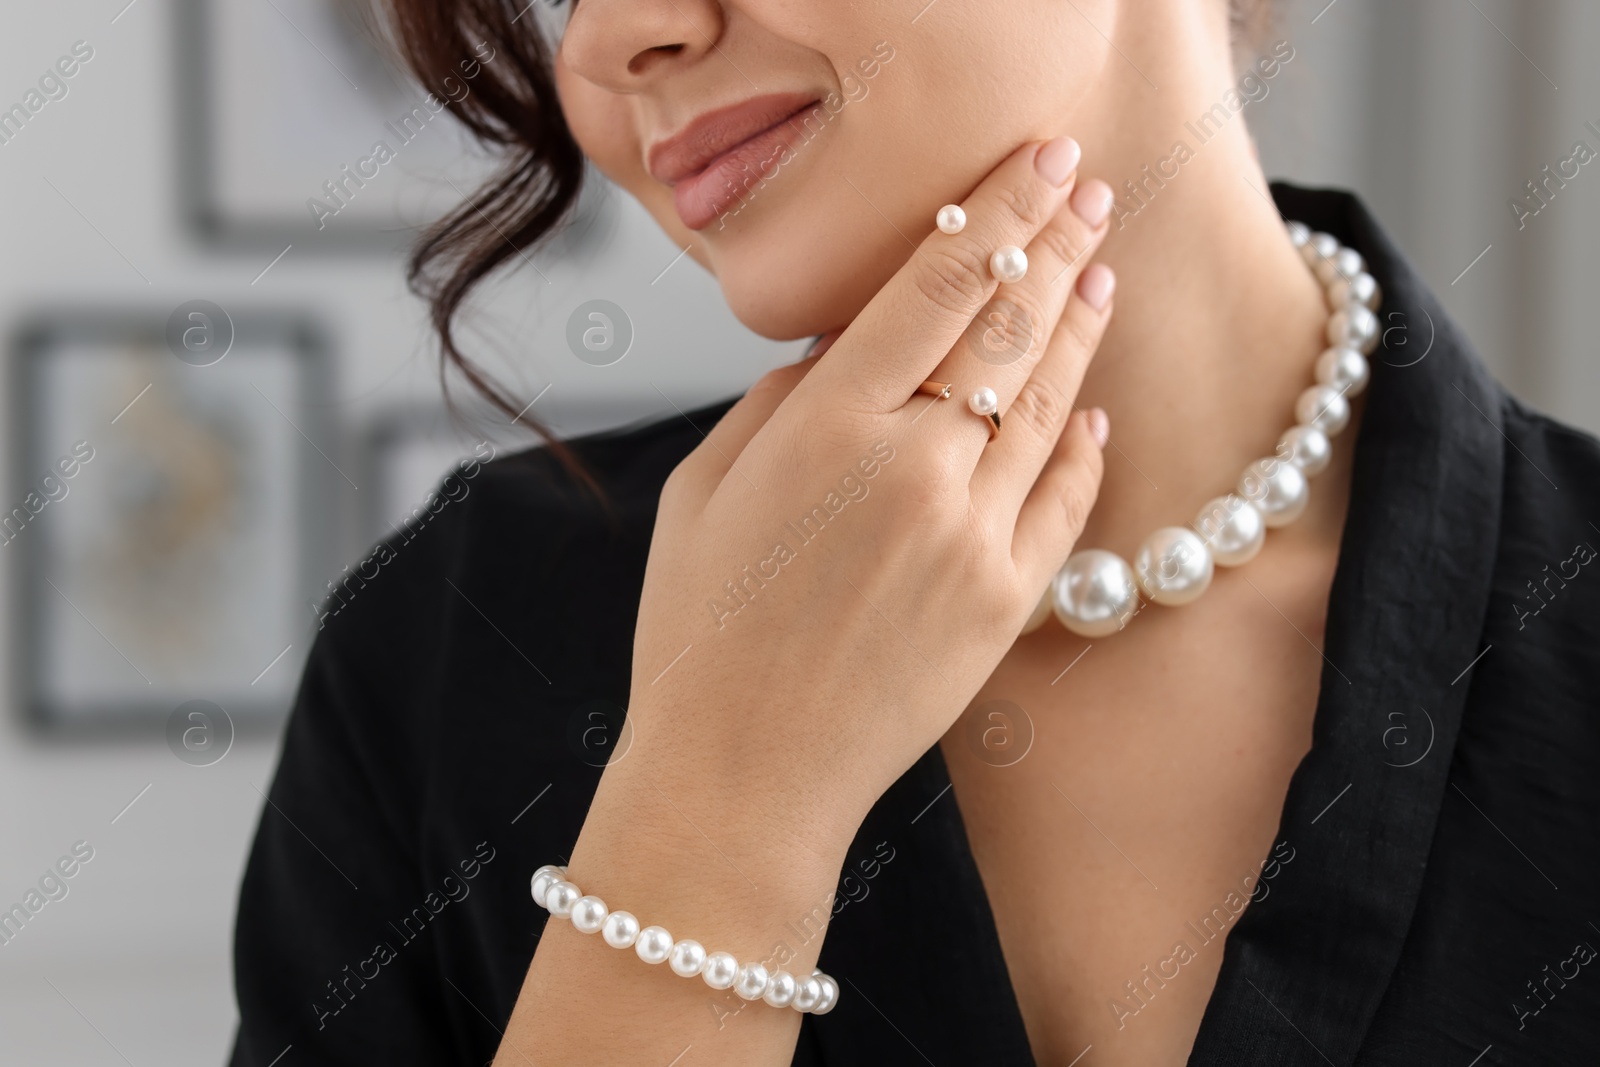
pixel 281 107
pixel 171 521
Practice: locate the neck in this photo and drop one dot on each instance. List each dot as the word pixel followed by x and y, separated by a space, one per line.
pixel 1218 320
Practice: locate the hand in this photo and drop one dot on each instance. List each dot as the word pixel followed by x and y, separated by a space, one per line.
pixel 842 563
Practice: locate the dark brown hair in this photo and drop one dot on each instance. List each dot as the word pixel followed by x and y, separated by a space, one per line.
pixel 512 108
pixel 1252 23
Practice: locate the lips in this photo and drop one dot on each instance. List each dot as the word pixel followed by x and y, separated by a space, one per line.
pixel 717 158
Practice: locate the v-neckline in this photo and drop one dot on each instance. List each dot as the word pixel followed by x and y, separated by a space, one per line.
pixel 1304 969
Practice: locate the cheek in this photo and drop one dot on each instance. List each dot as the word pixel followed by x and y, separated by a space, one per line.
pixel 603 125
pixel 816 244
pixel 606 128
pixel 815 247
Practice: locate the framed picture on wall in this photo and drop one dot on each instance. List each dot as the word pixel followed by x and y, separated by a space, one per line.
pixel 298 127
pixel 169 522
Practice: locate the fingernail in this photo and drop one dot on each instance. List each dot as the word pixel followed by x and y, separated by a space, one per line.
pixel 1092 201
pixel 1100 425
pixel 1096 284
pixel 821 344
pixel 1057 160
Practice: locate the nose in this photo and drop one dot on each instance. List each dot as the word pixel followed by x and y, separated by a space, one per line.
pixel 626 45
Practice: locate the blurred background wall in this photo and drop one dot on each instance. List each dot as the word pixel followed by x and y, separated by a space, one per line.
pixel 173 166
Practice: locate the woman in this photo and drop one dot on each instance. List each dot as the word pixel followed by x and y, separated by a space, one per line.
pixel 1338 809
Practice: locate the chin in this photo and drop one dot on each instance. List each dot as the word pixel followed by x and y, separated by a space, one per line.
pixel 785 277
pixel 783 304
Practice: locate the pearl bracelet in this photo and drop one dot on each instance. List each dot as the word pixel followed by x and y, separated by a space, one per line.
pixel 815 995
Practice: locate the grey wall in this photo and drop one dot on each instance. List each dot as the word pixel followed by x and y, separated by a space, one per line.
pixel 1438 112
pixel 1424 107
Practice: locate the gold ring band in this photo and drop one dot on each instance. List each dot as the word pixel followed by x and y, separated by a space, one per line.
pixel 942 390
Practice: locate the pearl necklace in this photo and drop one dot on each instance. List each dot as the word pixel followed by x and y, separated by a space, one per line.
pixel 1096 592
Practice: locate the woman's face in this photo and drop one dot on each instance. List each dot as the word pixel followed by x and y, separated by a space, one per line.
pixel 800 150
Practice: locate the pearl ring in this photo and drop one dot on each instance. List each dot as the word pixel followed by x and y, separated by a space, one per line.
pixel 1008 263
pixel 983 401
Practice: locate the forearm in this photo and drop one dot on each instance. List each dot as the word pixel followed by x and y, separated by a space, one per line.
pixel 756 760
pixel 696 860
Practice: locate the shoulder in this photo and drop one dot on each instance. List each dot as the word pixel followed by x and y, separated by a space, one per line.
pixel 526 510
pixel 1544 602
pixel 1562 442
pixel 615 477
pixel 1552 471
pixel 511 573
pixel 622 469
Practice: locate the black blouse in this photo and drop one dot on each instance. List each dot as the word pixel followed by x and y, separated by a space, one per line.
pixel 1437 890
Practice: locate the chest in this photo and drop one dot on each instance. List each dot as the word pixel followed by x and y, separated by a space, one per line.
pixel 1121 800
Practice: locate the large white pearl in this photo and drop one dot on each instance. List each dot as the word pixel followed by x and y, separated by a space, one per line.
pixel 1232 529
pixel 751 981
pixel 687 958
pixel 1318 247
pixel 1041 612
pixel 983 401
pixel 951 219
pixel 1009 263
pixel 560 898
pixel 1174 566
pixel 1353 326
pixel 1345 264
pixel 807 992
pixel 1343 368
pixel 830 995
pixel 588 915
pixel 1324 407
pixel 1307 448
pixel 1095 594
pixel 1362 289
pixel 1299 233
pixel 620 929
pixel 780 989
pixel 653 945
pixel 1348 263
pixel 720 970
pixel 1277 488
pixel 542 880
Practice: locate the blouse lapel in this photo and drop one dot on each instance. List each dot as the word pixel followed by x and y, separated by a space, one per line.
pixel 1305 968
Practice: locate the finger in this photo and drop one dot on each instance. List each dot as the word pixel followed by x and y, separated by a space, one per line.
pixel 1013 332
pixel 1033 424
pixel 718 453
pixel 915 319
pixel 1059 503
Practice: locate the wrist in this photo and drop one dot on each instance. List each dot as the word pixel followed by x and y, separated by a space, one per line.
pixel 741 771
pixel 676 853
